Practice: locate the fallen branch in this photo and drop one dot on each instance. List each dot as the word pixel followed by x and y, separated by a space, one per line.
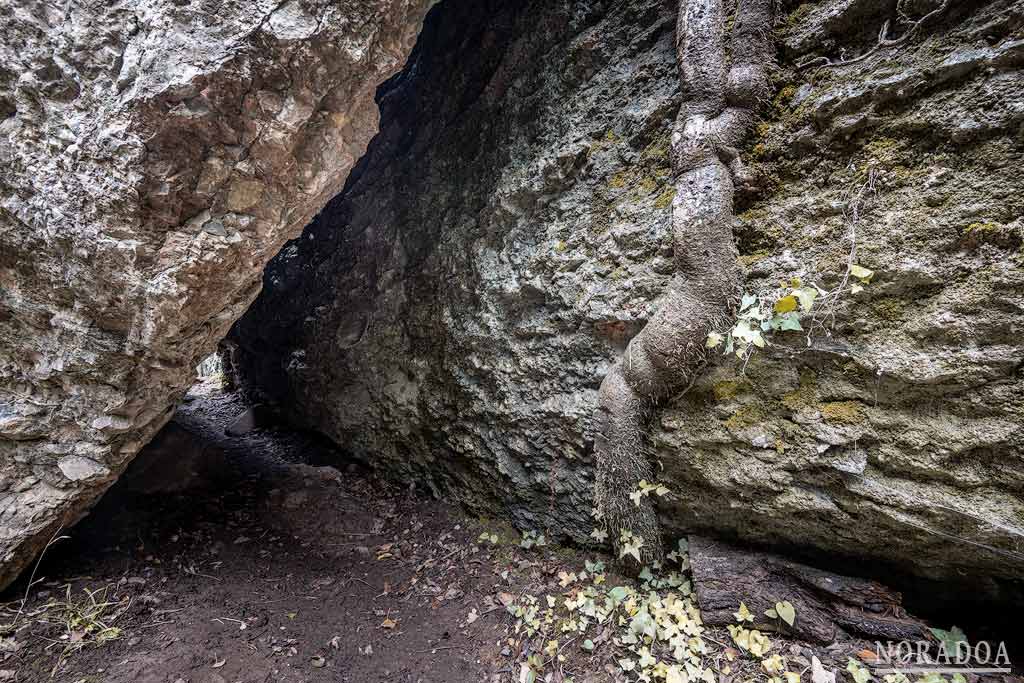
pixel 826 604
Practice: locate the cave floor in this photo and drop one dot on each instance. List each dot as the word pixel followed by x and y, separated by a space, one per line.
pixel 249 559
pixel 271 570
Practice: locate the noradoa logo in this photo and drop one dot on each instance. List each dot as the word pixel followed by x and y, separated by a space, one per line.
pixel 949 653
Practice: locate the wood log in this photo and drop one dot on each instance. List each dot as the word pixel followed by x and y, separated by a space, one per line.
pixel 828 605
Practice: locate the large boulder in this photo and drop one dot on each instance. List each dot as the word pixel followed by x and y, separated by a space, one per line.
pixel 450 316
pixel 156 154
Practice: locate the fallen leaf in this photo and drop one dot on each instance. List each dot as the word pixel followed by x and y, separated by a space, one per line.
pixel 388 623
pixel 786 304
pixel 861 273
pixel 219 663
pixel 819 674
pixel 318 662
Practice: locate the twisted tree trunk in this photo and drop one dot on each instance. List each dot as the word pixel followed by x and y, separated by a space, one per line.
pixel 669 353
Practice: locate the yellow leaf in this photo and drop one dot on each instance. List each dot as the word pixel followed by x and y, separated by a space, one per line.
pixel 714 339
pixel 861 273
pixel 388 623
pixel 786 304
pixel 773 664
pixel 743 614
pixel 791 677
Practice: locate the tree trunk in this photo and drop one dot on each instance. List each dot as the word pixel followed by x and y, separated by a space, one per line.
pixel 664 358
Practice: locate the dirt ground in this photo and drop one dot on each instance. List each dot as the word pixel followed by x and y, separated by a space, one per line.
pixel 248 562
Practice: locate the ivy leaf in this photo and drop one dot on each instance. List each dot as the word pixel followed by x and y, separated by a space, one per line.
pixel 747 301
pixel 951 638
pixel 864 275
pixel 786 304
pixel 786 612
pixel 856 289
pixel 758 643
pixel 743 614
pixel 859 673
pixel 599 535
pixel 627 664
pixel 714 339
pixel 632 547
pixel 773 664
pixel 635 497
pixel 787 322
pixel 806 296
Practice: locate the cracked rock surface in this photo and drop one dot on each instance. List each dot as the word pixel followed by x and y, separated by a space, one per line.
pixel 155 156
pixel 451 314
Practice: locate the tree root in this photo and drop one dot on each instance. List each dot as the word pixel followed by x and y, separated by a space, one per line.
pixel 669 352
pixel 884 41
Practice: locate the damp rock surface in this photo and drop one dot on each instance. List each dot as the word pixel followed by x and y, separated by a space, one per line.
pixel 155 156
pixel 450 315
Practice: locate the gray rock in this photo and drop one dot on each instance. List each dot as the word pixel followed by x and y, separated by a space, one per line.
pixel 450 316
pixel 128 133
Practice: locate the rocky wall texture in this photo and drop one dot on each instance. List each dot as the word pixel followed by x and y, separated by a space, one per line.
pixel 450 315
pixel 155 156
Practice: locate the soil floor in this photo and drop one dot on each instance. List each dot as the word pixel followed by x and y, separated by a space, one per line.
pixel 250 562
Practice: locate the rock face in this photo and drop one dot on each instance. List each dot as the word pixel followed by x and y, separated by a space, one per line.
pixel 156 155
pixel 451 314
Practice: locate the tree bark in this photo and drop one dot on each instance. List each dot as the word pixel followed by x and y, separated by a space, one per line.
pixel 669 352
pixel 826 604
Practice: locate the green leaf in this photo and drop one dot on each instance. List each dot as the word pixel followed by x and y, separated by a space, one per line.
pixel 588 645
pixel 747 301
pixel 951 638
pixel 786 612
pixel 859 673
pixel 806 296
pixel 787 322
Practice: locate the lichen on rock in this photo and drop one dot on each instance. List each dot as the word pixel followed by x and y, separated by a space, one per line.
pixel 156 155
pixel 448 314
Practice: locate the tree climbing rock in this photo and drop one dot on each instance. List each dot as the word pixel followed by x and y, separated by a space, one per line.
pixel 449 316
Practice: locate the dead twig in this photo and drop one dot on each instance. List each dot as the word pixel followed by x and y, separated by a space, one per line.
pixel 32 577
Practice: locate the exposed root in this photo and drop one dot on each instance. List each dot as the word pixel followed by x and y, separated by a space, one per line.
pixel 666 356
pixel 884 41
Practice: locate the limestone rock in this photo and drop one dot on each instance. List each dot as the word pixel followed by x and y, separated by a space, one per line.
pixel 155 156
pixel 450 316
